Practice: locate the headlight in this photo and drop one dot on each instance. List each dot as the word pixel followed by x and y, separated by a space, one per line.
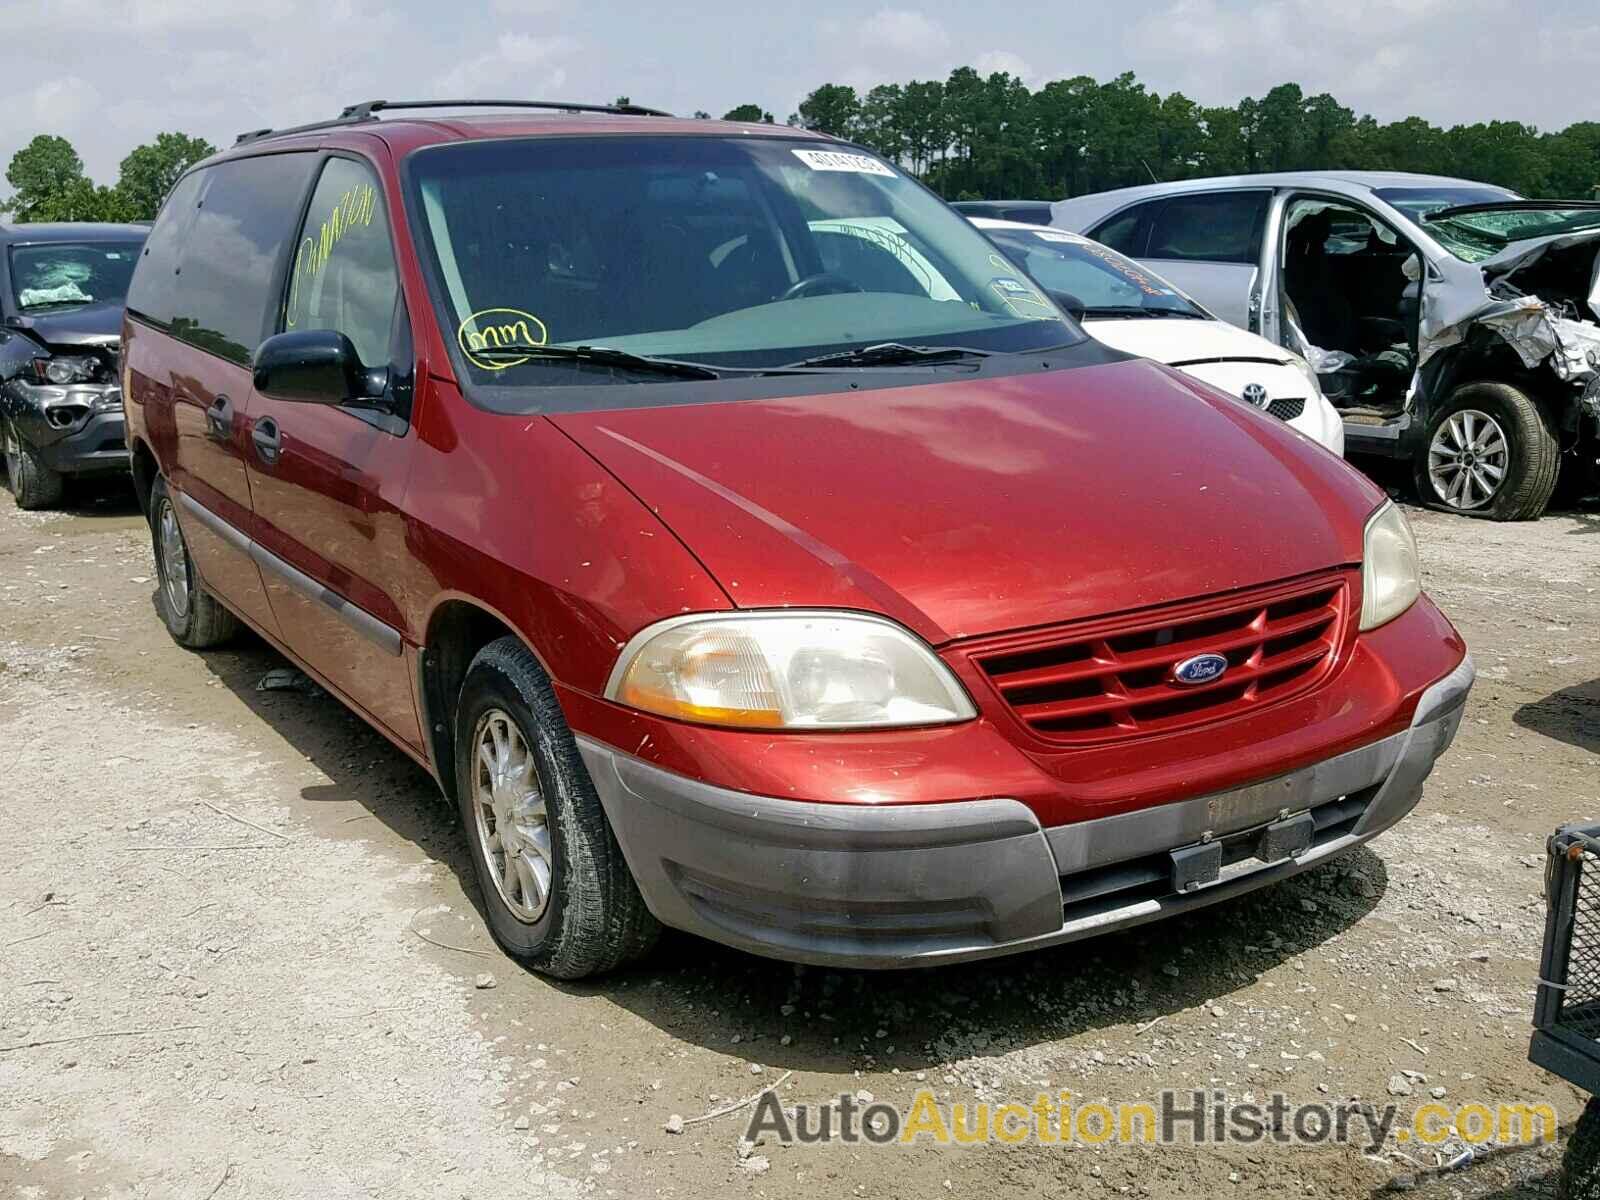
pixel 67 370
pixel 1390 579
pixel 787 670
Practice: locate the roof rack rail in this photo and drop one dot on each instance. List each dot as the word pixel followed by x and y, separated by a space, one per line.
pixel 367 110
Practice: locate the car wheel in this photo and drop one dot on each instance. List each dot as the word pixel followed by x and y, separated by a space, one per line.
pixel 1488 452
pixel 558 895
pixel 1580 1165
pixel 33 485
pixel 193 616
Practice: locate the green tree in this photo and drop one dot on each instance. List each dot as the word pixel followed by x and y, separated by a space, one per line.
pixel 149 172
pixel 833 108
pixel 49 182
pixel 748 112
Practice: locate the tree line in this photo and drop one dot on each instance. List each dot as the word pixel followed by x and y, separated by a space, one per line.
pixel 48 181
pixel 973 136
pixel 992 137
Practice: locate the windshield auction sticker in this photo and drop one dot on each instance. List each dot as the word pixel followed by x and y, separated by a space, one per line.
pixel 837 160
pixel 490 337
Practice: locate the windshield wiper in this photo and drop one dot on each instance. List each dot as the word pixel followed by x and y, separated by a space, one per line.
pixel 603 356
pixel 889 354
pixel 1138 310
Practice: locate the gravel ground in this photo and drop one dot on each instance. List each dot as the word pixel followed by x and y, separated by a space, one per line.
pixel 240 953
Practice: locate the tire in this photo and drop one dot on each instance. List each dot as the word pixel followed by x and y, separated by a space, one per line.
pixel 34 486
pixel 1526 453
pixel 584 914
pixel 193 616
pixel 1580 1165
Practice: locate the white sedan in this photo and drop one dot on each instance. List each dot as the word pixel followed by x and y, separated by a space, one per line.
pixel 1128 307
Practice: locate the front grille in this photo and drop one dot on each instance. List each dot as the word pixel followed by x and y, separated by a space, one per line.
pixel 1113 679
pixel 1287 410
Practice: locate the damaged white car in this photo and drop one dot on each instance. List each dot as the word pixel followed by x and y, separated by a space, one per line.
pixel 1453 324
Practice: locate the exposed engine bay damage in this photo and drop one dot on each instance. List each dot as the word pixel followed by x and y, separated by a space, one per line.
pixel 1542 299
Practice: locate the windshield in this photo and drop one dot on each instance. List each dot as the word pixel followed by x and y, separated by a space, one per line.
pixel 1474 237
pixel 66 274
pixel 733 253
pixel 1480 235
pixel 1090 279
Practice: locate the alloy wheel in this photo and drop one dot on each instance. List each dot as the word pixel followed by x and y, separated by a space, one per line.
pixel 512 821
pixel 1468 459
pixel 174 560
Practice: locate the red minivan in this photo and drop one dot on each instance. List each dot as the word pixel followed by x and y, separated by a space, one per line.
pixel 747 546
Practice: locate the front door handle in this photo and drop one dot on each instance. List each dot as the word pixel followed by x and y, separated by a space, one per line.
pixel 219 419
pixel 267 440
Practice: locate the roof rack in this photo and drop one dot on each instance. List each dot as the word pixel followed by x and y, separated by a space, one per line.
pixel 367 110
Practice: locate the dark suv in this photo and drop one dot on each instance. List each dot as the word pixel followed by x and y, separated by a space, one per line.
pixel 746 545
pixel 61 294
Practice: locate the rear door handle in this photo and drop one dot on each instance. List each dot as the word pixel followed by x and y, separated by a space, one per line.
pixel 219 419
pixel 267 440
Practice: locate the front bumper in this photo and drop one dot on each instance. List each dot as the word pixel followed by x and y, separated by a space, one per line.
pixel 77 429
pixel 920 884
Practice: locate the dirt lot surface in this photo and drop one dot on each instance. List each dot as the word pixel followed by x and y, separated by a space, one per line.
pixel 240 949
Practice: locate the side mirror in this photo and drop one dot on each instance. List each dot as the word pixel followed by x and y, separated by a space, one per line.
pixel 313 366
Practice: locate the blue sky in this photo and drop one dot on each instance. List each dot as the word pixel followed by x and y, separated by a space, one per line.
pixel 108 74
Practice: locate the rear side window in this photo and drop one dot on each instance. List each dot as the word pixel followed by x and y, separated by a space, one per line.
pixel 153 294
pixel 1219 227
pixel 231 232
pixel 344 274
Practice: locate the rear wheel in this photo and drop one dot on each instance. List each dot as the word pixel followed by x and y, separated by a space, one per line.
pixel 556 890
pixel 1488 452
pixel 33 485
pixel 193 616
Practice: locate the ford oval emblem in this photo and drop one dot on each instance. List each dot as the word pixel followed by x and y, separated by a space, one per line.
pixel 1202 668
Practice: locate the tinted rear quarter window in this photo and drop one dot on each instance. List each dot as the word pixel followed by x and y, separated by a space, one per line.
pixel 228 234
pixel 1125 232
pixel 1217 227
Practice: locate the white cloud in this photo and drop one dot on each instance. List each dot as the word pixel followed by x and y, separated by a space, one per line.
pixel 992 61
pixel 904 31
pixel 61 103
pixel 520 63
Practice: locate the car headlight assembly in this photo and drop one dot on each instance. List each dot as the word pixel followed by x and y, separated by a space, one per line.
pixel 791 669
pixel 67 369
pixel 1391 580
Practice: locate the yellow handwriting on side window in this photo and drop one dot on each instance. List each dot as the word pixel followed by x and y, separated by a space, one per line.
pixel 491 336
pixel 353 211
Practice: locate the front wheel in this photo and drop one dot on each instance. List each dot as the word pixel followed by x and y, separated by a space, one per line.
pixel 1488 452
pixel 556 890
pixel 33 485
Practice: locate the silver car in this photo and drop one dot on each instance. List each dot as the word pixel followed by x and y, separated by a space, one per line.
pixel 1453 324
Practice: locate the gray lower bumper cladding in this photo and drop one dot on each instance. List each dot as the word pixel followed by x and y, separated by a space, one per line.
pixel 912 885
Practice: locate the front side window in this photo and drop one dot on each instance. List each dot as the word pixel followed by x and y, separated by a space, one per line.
pixel 54 276
pixel 343 274
pixel 730 253
pixel 1092 280
pixel 1215 227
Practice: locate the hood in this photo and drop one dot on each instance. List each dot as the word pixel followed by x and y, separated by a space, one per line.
pixel 1178 340
pixel 90 325
pixel 972 506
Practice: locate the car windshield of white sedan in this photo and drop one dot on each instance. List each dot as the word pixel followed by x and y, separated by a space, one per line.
pixel 1090 280
pixel 59 275
pixel 728 253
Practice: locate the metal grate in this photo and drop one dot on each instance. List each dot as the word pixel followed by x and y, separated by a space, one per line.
pixel 1580 1003
pixel 1287 410
pixel 1113 680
